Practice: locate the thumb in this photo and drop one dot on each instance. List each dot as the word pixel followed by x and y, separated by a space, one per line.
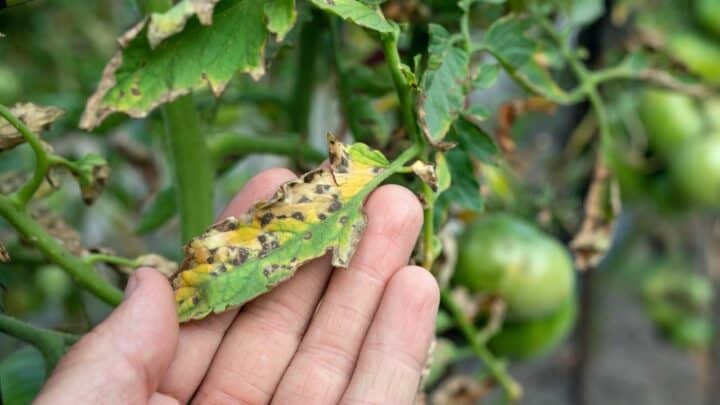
pixel 122 359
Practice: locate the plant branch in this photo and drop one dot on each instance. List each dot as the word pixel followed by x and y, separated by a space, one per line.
pixel 82 272
pixel 497 368
pixel 404 91
pixel 110 259
pixel 51 344
pixel 188 155
pixel 42 158
pixel 192 166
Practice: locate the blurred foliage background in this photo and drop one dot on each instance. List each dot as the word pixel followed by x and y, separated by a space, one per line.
pixel 646 313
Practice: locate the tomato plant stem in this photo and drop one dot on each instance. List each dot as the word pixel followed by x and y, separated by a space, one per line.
pixel 302 92
pixel 497 368
pixel 192 166
pixel 50 343
pixel 42 159
pixel 402 87
pixel 83 273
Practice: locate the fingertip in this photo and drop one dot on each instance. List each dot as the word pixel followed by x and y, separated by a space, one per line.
pixel 418 286
pixel 396 206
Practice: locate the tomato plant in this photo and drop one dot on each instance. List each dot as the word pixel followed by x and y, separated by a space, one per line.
pixel 551 143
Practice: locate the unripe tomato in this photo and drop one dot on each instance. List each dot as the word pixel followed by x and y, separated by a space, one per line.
pixel 700 54
pixel 9 85
pixel 535 337
pixel 509 258
pixel 707 15
pixel 669 118
pixel 679 303
pixel 695 170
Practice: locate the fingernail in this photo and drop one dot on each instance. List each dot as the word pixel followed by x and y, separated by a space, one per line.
pixel 132 285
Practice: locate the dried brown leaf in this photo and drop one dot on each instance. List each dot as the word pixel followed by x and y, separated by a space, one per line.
pixel 36 117
pixel 602 206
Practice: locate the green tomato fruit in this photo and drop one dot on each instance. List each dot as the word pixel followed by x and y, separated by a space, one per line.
pixel 670 119
pixel 509 258
pixel 691 333
pixel 695 170
pixel 535 337
pixel 700 54
pixel 672 297
pixel 707 15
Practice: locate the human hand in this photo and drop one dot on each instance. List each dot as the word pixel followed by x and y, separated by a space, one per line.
pixel 356 335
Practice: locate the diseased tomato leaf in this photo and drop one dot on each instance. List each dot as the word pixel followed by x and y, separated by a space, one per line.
pixel 164 25
pixel 139 78
pixel 443 87
pixel 241 258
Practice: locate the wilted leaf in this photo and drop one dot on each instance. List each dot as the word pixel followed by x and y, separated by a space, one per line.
pixel 426 173
pixel 164 25
pixel 56 226
pixel 461 390
pixel 602 206
pixel 241 258
pixel 357 12
pixel 91 173
pixel 442 88
pixel 160 263
pixel 139 78
pixel 37 118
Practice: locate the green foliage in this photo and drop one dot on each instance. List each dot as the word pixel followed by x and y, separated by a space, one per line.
pixel 22 374
pixel 461 93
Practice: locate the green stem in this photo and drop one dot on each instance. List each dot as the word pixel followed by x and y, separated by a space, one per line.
pixel 50 343
pixel 497 368
pixel 301 98
pixel 42 158
pixel 192 166
pixel 428 227
pixel 189 156
pixel 83 273
pixel 110 259
pixel 226 144
pixel 405 96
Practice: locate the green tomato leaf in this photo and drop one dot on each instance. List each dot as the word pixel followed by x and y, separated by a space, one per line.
pixel 443 85
pixel 22 375
pixel 473 140
pixel 241 258
pixel 139 78
pixel 281 16
pixel 444 178
pixel 168 23
pixel 506 40
pixel 486 76
pixel 464 190
pixel 357 12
